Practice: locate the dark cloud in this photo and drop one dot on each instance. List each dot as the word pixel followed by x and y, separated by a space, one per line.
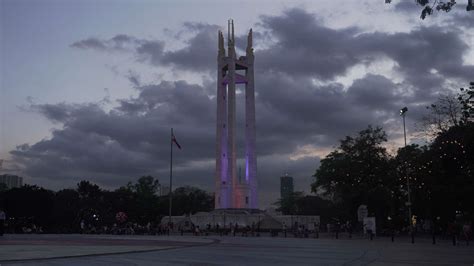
pixel 194 57
pixel 299 44
pixel 134 78
pixel 407 6
pixel 136 140
pixel 197 54
pixel 151 52
pixel 307 112
pixel 133 138
pixel 119 42
pixel 465 19
pixel 90 43
pixel 420 51
pixel 304 47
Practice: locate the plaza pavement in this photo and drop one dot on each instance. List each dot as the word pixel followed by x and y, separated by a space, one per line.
pixel 226 250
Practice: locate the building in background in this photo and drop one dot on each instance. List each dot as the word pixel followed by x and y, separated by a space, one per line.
pixel 11 181
pixel 286 186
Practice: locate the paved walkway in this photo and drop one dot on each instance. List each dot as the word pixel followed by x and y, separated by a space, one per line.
pixel 215 250
pixel 16 248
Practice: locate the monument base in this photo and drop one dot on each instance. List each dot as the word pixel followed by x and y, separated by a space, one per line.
pixel 243 218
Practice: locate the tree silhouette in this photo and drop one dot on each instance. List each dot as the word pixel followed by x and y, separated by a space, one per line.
pixel 428 7
pixel 357 172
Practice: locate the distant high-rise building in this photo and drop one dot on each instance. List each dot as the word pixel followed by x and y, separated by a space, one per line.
pixel 286 186
pixel 11 181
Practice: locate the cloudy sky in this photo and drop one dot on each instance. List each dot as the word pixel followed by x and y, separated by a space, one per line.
pixel 90 89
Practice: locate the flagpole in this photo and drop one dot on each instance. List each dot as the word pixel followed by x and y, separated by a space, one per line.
pixel 171 175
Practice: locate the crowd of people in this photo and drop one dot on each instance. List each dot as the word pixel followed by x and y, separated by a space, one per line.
pixel 457 231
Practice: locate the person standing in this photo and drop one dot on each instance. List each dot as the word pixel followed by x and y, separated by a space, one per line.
pixel 82 224
pixel 467 232
pixel 349 228
pixel 2 222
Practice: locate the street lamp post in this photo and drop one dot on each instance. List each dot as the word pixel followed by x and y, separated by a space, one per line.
pixel 402 114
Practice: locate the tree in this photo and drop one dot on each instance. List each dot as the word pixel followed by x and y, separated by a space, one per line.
pixel 414 163
pixel 448 111
pixel 466 99
pixel 88 191
pixel 442 115
pixel 146 186
pixel 452 153
pixel 90 202
pixel 65 209
pixel 189 200
pixel 29 205
pixel 299 204
pixel 289 205
pixel 357 172
pixel 441 174
pixel 147 205
pixel 427 7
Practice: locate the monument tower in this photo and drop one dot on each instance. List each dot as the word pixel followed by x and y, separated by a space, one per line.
pixel 232 192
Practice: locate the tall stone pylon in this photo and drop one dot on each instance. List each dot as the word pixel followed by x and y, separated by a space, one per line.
pixel 232 192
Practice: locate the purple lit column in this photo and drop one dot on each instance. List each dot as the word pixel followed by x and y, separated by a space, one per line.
pixel 250 130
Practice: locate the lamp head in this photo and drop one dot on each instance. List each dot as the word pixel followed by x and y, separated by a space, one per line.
pixel 403 110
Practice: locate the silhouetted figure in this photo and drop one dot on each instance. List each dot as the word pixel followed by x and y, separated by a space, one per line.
pixel 236 227
pixel 316 230
pixel 82 226
pixel 198 232
pixel 391 228
pixel 434 231
pixel 467 232
pixel 452 232
pixel 208 229
pixel 457 231
pixel 349 228
pixel 369 232
pixel 2 222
